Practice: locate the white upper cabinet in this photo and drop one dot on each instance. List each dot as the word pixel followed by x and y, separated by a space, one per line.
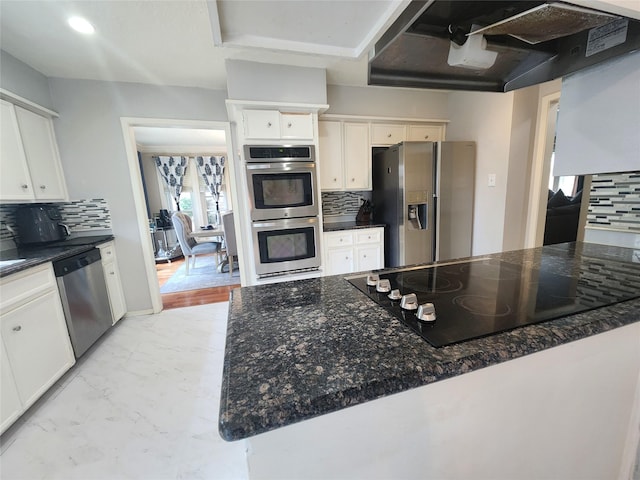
pixel 30 163
pixel 274 125
pixel 345 156
pixel 296 125
pixel 357 156
pixel 387 134
pixel 330 155
pixel 425 133
pixel 15 182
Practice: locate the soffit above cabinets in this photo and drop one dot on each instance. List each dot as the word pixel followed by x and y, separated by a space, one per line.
pixel 341 28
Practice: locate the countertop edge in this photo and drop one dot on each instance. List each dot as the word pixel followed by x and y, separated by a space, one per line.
pixel 49 257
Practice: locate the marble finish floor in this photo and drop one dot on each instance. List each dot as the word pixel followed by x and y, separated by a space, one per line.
pixel 142 404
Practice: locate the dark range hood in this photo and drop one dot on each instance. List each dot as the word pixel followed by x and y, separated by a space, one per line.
pixel 495 46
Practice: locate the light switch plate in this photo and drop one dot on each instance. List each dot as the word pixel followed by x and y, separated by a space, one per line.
pixel 492 180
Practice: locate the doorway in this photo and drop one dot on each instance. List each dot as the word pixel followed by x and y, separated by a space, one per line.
pixel 196 200
pixel 170 137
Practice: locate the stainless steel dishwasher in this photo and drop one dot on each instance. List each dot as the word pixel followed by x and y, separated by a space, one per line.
pixel 85 300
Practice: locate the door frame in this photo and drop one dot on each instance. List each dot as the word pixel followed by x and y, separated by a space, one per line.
pixel 540 171
pixel 139 203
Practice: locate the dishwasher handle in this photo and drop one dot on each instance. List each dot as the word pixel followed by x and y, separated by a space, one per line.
pixel 68 265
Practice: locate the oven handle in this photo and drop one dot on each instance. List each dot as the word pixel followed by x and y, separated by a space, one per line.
pixel 287 223
pixel 281 166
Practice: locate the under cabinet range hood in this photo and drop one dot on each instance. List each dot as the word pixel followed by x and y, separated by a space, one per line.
pixel 496 46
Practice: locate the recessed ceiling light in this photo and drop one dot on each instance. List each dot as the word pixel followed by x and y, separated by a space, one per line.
pixel 81 25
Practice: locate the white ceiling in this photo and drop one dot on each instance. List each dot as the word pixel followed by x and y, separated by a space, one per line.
pixel 185 42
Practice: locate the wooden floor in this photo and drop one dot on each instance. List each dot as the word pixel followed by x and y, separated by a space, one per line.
pixel 190 297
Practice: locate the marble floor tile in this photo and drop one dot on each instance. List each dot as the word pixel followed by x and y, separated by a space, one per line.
pixel 141 404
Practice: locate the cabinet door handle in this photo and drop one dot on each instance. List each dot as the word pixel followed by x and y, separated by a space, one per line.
pixel 426 136
pixel 353 179
pixel 24 186
pixel 388 135
pixel 335 179
pixel 43 187
pixel 112 272
pixel 289 125
pixel 268 124
pixel 17 328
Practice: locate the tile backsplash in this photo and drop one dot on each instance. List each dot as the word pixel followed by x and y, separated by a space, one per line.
pixel 78 215
pixel 614 201
pixel 343 203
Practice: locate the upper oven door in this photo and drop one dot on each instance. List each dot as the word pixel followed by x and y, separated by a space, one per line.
pixel 282 190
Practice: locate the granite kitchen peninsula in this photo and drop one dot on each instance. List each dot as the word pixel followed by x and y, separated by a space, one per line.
pixel 324 383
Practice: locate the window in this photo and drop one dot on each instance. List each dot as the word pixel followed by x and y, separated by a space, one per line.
pixel 196 200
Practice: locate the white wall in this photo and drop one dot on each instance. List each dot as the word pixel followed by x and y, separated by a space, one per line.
pixel 92 150
pixel 21 79
pixel 486 119
pixel 388 102
pixel 599 119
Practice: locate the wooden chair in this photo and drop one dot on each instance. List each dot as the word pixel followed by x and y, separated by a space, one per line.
pixel 190 247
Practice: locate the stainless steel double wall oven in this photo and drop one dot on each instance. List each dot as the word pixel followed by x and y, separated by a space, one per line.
pixel 284 208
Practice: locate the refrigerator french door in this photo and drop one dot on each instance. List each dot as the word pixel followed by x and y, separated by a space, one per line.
pixel 423 192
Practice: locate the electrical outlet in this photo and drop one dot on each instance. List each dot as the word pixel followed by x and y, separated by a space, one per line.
pixel 492 180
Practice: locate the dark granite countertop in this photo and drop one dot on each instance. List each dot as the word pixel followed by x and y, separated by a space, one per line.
pixel 297 350
pixel 336 226
pixel 34 256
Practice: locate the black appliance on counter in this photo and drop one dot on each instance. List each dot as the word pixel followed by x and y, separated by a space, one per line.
pixel 478 298
pixel 40 224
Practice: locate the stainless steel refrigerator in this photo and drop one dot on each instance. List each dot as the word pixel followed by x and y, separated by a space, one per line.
pixel 423 192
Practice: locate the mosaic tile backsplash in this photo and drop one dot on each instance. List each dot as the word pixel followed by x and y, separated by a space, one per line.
pixel 615 201
pixel 78 215
pixel 343 203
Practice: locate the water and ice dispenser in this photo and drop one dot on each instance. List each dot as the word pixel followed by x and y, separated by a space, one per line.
pixel 417 210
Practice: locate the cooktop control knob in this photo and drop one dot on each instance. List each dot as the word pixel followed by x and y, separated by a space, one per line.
pixel 372 279
pixel 383 286
pixel 395 295
pixel 409 301
pixel 426 312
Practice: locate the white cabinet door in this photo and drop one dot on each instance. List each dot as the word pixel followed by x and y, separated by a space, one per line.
pixel 340 260
pixel 296 125
pixel 330 155
pixel 42 156
pixel 383 134
pixel 38 346
pixel 261 124
pixel 357 156
pixel 15 183
pixel 10 405
pixel 112 278
pixel 425 133
pixel 368 257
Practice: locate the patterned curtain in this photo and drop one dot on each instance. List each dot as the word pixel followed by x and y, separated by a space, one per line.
pixel 173 170
pixel 212 171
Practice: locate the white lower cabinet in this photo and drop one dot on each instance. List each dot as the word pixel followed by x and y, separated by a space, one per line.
pixel 36 350
pixel 112 277
pixel 348 251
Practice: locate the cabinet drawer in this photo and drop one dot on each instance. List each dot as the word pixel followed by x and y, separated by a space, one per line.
pixel 387 134
pixel 21 286
pixel 368 235
pixel 339 239
pixel 424 133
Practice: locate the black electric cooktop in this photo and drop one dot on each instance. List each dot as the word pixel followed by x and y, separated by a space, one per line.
pixel 479 298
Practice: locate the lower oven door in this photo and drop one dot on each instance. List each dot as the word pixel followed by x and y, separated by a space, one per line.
pixel 287 245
